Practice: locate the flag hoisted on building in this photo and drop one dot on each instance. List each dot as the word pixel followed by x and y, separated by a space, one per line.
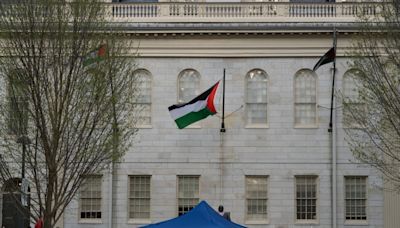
pixel 95 56
pixel 197 109
pixel 327 58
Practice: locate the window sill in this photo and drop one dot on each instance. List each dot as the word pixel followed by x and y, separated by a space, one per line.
pixel 311 222
pixel 353 127
pixel 356 223
pixel 90 221
pixel 193 127
pixel 139 221
pixel 144 126
pixel 306 127
pixel 256 222
pixel 256 126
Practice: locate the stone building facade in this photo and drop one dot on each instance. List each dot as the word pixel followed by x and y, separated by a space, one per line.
pixel 276 165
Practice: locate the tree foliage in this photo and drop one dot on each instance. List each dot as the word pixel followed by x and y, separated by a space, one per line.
pixel 72 118
pixel 376 139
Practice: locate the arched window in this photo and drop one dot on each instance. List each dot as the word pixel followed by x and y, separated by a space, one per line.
pixel 256 97
pixel 353 107
pixel 18 115
pixel 143 101
pixel 305 100
pixel 188 85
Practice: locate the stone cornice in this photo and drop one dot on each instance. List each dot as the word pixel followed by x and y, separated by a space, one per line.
pixel 214 27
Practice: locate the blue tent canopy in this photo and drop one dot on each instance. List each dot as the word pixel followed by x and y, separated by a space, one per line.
pixel 202 216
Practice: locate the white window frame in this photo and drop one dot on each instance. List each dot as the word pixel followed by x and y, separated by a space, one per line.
pixel 91 220
pixel 130 198
pixel 354 221
pixel 177 190
pixel 307 221
pixel 298 125
pixel 150 104
pixel 198 75
pixel 256 125
pixel 350 101
pixel 256 221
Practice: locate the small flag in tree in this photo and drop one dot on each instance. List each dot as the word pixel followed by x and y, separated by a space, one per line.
pixel 327 58
pixel 196 109
pixel 95 56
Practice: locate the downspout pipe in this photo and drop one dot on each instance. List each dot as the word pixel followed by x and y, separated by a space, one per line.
pixel 334 169
pixel 334 132
pixel 110 196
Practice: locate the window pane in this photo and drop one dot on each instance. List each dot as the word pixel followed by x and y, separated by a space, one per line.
pixel 355 195
pixel 143 102
pixel 353 108
pixel 256 103
pixel 305 98
pixel 90 198
pixel 188 193
pixel 256 87
pixel 305 114
pixel 256 197
pixel 17 103
pixel 305 87
pixel 351 84
pixel 144 114
pixel 306 197
pixel 257 113
pixel 188 85
pixel 139 197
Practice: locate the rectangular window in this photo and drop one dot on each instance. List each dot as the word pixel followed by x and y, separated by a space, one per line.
pixel 256 197
pixel 90 198
pixel 139 197
pixel 356 198
pixel 306 198
pixel 188 193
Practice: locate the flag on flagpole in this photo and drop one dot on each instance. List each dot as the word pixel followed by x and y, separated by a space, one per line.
pixel 327 58
pixel 95 56
pixel 197 109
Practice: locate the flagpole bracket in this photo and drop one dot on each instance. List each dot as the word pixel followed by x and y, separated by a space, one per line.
pixel 222 130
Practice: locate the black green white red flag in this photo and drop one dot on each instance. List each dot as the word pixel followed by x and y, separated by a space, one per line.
pixel 95 56
pixel 197 109
pixel 327 58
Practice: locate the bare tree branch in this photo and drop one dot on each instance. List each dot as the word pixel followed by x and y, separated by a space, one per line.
pixel 377 55
pixel 78 118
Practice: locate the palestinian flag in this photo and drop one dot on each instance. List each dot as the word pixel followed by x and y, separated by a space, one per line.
pixel 327 58
pixel 196 109
pixel 95 56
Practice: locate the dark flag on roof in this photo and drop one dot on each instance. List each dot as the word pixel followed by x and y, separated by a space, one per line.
pixel 327 58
